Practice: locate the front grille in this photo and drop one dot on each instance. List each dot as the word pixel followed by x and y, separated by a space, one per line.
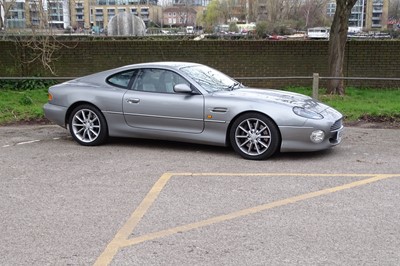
pixel 337 125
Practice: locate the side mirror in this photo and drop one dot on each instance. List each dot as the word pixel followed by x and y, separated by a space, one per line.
pixel 182 88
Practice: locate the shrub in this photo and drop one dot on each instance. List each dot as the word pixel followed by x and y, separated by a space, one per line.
pixel 26 84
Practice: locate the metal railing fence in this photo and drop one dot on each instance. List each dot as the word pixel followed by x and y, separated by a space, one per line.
pixel 316 78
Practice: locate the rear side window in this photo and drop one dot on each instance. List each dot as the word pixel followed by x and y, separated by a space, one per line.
pixel 122 79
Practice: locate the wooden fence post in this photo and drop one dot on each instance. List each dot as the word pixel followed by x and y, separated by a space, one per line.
pixel 315 86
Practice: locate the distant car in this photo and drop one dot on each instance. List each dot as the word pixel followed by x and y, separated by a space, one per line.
pixel 189 30
pixel 191 103
pixel 275 37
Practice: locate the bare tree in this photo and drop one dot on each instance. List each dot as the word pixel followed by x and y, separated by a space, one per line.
pixel 225 9
pixel 41 45
pixel 275 10
pixel 337 44
pixel 185 12
pixel 292 8
pixel 394 8
pixel 314 11
pixel 297 14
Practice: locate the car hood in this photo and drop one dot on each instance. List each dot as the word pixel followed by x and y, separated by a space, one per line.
pixel 276 96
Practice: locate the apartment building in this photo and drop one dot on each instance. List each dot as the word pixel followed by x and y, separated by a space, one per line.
pixel 377 14
pixel 366 14
pixel 16 15
pixel 78 14
pixel 179 16
pixel 33 13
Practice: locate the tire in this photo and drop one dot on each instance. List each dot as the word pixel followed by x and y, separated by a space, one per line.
pixel 254 136
pixel 88 126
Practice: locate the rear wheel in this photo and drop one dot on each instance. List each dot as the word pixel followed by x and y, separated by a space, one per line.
pixel 88 125
pixel 254 136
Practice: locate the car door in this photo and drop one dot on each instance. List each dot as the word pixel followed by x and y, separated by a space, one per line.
pixel 152 103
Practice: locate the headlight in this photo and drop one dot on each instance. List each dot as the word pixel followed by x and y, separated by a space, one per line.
pixel 300 111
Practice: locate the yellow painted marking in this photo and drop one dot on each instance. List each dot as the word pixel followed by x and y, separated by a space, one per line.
pixel 121 238
pixel 249 211
pixel 272 174
pixel 122 235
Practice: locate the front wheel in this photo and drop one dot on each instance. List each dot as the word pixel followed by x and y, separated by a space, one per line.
pixel 254 136
pixel 88 126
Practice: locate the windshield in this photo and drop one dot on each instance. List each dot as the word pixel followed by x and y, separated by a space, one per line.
pixel 210 79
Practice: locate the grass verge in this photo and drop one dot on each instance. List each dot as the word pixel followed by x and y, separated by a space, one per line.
pixel 375 105
pixel 19 106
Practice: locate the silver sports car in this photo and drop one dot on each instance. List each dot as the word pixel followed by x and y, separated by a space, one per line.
pixel 192 103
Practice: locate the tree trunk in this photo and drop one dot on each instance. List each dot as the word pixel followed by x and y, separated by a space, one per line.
pixel 337 45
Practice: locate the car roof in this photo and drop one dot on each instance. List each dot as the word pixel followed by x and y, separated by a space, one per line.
pixel 94 78
pixel 164 64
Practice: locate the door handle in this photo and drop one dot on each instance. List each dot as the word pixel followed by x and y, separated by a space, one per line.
pixel 135 100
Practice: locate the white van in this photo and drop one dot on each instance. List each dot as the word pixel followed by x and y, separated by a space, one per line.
pixel 318 33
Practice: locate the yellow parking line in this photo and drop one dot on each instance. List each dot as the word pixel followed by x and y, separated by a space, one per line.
pixel 121 238
pixel 272 174
pixel 249 211
pixel 122 235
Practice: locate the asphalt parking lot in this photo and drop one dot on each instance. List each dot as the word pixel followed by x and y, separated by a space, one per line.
pixel 142 202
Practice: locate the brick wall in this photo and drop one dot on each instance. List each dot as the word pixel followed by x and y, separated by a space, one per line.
pixel 8 60
pixel 236 58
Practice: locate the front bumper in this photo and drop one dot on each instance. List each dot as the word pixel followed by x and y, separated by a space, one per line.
pixel 299 138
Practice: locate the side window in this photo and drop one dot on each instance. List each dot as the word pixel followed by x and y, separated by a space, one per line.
pixel 122 79
pixel 169 79
pixel 158 80
pixel 147 80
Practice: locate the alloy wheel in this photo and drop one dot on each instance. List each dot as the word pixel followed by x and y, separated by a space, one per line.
pixel 86 125
pixel 253 136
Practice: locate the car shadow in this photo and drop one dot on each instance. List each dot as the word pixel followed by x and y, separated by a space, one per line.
pixel 214 150
pixel 298 156
pixel 167 144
